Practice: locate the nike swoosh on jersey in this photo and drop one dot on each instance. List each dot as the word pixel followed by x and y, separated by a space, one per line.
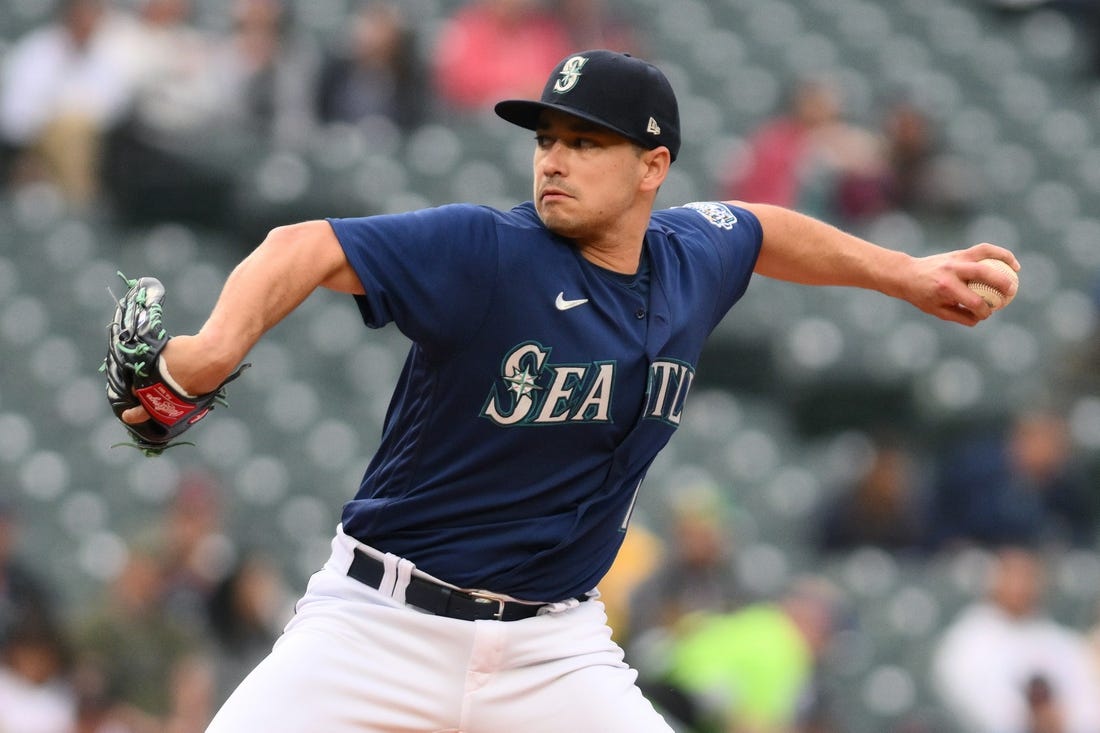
pixel 563 305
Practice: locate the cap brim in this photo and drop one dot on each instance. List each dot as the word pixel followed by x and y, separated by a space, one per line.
pixel 525 113
pixel 522 112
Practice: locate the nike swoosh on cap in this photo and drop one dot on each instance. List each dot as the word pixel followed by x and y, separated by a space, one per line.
pixel 563 305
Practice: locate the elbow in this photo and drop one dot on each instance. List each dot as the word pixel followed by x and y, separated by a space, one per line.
pixel 288 235
pixel 317 254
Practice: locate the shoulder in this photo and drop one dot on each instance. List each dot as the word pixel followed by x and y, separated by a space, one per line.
pixel 707 220
pixel 468 229
pixel 521 215
pixel 710 216
pixel 521 219
pixel 450 216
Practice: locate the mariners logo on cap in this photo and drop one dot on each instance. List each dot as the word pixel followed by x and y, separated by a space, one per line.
pixel 570 74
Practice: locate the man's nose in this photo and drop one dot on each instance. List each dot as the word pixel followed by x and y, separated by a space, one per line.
pixel 551 159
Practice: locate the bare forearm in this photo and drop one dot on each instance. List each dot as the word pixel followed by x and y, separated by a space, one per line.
pixel 800 249
pixel 261 291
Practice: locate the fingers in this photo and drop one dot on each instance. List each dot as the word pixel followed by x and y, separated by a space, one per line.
pixel 972 302
pixel 135 415
pixel 993 251
pixel 992 275
pixel 952 299
pixel 955 301
pixel 966 308
pixel 941 287
pixel 960 314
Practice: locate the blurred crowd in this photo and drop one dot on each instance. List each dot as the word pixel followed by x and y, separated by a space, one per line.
pixel 189 611
pixel 185 616
pixel 722 657
pixel 812 157
pixel 134 111
pixel 135 108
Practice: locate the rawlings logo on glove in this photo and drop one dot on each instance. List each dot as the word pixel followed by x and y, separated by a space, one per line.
pixel 137 377
pixel 163 405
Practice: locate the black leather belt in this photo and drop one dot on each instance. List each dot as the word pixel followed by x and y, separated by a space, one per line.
pixel 441 600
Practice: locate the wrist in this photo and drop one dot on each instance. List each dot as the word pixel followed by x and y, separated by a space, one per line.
pixel 894 277
pixel 199 363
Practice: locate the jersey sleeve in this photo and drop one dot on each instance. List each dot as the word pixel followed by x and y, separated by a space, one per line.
pixel 427 271
pixel 736 237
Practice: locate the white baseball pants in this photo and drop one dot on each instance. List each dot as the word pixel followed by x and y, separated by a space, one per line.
pixel 354 660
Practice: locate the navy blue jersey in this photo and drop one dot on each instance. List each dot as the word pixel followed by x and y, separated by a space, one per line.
pixel 538 389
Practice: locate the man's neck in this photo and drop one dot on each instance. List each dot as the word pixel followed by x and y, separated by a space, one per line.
pixel 624 260
pixel 620 249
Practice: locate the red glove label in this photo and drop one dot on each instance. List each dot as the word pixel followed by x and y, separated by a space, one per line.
pixel 164 406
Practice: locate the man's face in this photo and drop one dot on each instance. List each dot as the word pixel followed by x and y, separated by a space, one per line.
pixel 585 176
pixel 1018 582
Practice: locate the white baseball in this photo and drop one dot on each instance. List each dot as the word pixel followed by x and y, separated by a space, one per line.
pixel 991 295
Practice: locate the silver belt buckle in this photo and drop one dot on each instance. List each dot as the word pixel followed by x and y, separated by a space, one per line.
pixel 483 597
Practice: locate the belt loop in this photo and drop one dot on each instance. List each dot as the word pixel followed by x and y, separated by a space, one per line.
pixel 388 584
pixel 404 570
pixel 489 599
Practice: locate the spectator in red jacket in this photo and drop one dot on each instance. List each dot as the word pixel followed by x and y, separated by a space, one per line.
pixel 495 49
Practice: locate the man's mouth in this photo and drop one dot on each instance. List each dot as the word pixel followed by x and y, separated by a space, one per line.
pixel 553 193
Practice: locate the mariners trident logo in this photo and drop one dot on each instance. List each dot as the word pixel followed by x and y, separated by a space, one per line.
pixel 570 74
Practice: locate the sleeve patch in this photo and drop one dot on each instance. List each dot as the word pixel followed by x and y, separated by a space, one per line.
pixel 716 213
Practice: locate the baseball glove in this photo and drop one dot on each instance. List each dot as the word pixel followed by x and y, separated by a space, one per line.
pixel 137 377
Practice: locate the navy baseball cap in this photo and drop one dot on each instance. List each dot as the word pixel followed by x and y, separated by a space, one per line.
pixel 615 90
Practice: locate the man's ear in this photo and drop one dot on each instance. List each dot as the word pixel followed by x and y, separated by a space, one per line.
pixel 656 163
